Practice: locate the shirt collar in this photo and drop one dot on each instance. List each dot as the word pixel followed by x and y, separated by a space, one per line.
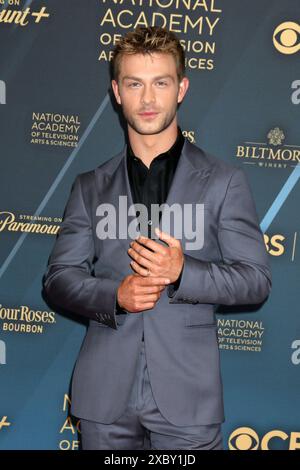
pixel 174 152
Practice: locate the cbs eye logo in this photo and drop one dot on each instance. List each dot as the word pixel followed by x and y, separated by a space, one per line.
pixel 243 439
pixel 286 37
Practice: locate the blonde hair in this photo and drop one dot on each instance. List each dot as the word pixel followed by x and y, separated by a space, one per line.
pixel 145 40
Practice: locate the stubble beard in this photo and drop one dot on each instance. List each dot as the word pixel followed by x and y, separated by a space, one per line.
pixel 150 128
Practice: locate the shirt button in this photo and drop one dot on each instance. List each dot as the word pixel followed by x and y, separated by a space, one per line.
pixel 149 222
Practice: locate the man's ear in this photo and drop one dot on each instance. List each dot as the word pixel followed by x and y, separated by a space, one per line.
pixel 115 87
pixel 183 88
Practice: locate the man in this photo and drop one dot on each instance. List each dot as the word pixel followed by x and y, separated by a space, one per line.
pixel 148 373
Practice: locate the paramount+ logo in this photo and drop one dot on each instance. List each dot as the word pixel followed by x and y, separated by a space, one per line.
pixel 248 439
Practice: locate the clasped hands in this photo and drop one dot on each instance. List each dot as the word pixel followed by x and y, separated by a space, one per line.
pixel 155 266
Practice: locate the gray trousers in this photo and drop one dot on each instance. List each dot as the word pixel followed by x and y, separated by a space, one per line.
pixel 142 427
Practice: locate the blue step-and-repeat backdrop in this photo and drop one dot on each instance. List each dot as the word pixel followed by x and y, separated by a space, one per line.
pixel 58 119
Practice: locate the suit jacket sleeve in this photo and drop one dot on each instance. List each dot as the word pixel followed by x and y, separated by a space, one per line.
pixel 68 281
pixel 243 276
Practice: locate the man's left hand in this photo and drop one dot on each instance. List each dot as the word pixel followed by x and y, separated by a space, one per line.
pixel 153 259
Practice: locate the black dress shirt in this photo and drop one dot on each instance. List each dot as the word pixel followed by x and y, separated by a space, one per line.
pixel 151 185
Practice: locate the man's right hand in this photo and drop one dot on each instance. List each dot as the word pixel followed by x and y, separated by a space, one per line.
pixel 137 293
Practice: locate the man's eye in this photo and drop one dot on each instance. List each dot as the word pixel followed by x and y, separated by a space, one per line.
pixel 162 83
pixel 134 84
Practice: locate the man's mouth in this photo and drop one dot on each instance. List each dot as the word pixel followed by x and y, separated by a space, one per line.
pixel 148 114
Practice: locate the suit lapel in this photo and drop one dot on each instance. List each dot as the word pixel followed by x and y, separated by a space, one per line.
pixel 114 189
pixel 189 181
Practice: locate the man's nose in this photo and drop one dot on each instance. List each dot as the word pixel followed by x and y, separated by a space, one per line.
pixel 148 94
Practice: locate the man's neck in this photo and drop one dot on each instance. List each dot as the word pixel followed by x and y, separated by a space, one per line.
pixel 147 147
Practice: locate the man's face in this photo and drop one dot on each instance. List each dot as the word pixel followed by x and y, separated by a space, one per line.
pixel 148 91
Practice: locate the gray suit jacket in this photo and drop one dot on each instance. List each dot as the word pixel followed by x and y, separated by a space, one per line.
pixel 181 343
